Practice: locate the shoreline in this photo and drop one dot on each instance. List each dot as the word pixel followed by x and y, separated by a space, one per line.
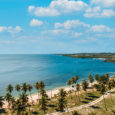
pixel 51 93
pixel 105 58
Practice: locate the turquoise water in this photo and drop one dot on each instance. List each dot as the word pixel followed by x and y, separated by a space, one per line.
pixel 54 70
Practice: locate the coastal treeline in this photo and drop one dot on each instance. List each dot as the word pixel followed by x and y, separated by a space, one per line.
pixel 60 102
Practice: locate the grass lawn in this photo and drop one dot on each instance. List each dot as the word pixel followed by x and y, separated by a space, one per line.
pixel 99 108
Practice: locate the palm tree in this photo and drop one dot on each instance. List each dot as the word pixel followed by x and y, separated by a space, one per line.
pixel 84 85
pixel 1 101
pixel 75 113
pixel 107 76
pixel 24 87
pixel 69 82
pixel 23 98
pixel 92 113
pixel 97 87
pixel 8 98
pixel 18 107
pixel 43 93
pixel 78 89
pixel 76 78
pixel 43 104
pixel 29 87
pixel 17 87
pixel 10 88
pixel 109 87
pixel 91 79
pixel 73 79
pixel 42 85
pixel 102 92
pixel 97 77
pixel 76 81
pixel 61 100
pixel 37 86
pixel 12 103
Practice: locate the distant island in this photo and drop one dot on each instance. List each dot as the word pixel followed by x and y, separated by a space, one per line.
pixel 107 57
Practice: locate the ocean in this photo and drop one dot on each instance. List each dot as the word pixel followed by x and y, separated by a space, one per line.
pixel 54 70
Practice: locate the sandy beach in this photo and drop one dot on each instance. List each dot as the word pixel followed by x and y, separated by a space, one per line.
pixel 51 93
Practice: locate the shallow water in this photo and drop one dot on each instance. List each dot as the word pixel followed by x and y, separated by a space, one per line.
pixel 54 70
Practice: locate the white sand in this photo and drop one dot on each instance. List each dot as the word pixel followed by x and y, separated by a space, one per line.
pixel 50 93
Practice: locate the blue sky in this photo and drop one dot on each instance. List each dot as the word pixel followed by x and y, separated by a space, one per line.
pixel 60 26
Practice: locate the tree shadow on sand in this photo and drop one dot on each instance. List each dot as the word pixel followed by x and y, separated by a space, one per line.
pixel 88 98
pixel 2 111
pixel 52 105
pixel 35 113
pixel 84 102
pixel 95 107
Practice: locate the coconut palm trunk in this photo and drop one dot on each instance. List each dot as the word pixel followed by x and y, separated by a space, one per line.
pixel 31 97
pixel 78 96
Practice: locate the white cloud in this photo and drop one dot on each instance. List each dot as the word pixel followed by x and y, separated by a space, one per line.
pixel 2 28
pixel 10 29
pixel 98 12
pixel 56 31
pixel 36 22
pixel 71 24
pixel 100 28
pixel 7 42
pixel 76 34
pixel 108 13
pixel 58 7
pixel 104 3
pixel 91 39
pixel 31 8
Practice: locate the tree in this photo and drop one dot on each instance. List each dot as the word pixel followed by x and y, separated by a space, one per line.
pixel 75 113
pixel 8 98
pixel 9 88
pixel 97 77
pixel 103 79
pixel 12 103
pixel 29 88
pixel 17 88
pixel 107 77
pixel 97 87
pixel 43 103
pixel 24 87
pixel 84 85
pixel 37 86
pixel 43 93
pixel 73 79
pixel 69 82
pixel 78 89
pixel 18 107
pixel 102 92
pixel 91 80
pixel 1 101
pixel 23 98
pixel 109 87
pixel 42 85
pixel 92 113
pixel 76 78
pixel 61 102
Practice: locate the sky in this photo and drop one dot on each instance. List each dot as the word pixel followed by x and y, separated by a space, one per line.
pixel 57 26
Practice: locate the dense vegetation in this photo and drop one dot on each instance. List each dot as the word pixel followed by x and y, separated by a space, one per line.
pixel 78 94
pixel 108 57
